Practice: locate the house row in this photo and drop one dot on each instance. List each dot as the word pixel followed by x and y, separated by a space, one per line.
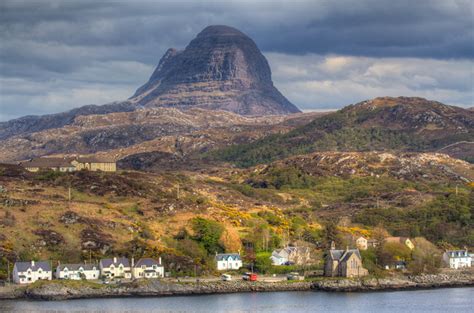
pixel 29 272
pixel 70 164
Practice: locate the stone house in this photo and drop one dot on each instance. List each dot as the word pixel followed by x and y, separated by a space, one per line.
pixel 344 263
pixel 291 255
pixel 115 268
pixel 362 243
pixel 77 271
pixel 55 164
pixel 148 268
pixel 70 164
pixel 94 164
pixel 228 261
pixel 29 272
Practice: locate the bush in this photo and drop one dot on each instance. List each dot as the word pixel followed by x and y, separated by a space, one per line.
pixel 263 264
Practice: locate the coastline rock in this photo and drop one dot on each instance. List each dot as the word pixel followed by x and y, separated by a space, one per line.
pixel 62 290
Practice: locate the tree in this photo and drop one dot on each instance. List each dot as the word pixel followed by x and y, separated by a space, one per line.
pixel 208 234
pixel 331 233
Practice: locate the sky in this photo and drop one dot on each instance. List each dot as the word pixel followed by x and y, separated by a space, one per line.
pixel 57 55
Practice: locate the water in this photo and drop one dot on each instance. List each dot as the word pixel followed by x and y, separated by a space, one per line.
pixel 439 300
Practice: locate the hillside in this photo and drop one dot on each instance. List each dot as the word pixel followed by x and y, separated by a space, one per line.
pixel 381 124
pixel 135 213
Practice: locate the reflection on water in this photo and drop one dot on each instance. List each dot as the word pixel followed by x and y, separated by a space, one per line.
pixel 439 300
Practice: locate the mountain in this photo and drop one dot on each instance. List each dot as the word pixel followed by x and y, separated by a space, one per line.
pixel 403 123
pixel 221 69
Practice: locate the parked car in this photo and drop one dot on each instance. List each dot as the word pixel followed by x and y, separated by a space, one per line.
pixel 250 276
pixel 294 276
pixel 226 277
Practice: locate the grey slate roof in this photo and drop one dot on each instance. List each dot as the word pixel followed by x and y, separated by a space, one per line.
pixel 225 256
pixel 342 255
pixel 458 253
pixel 148 262
pixel 75 267
pixel 109 262
pixel 24 266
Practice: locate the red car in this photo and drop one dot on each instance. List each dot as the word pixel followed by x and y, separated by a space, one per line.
pixel 250 277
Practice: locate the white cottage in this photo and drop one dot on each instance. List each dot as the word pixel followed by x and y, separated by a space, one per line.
pixel 228 261
pixel 148 268
pixel 115 268
pixel 78 271
pixel 29 272
pixel 457 259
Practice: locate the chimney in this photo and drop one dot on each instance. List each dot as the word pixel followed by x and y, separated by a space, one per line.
pixel 347 248
pixel 159 260
pixel 133 262
pixel 333 245
pixel 32 263
pixel 115 259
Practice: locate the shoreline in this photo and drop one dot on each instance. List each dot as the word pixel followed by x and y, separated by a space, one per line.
pixel 65 290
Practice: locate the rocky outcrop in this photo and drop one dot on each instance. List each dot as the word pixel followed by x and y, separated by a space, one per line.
pixel 454 279
pixel 221 69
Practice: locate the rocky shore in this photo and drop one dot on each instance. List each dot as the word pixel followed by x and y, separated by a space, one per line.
pixel 444 280
pixel 61 290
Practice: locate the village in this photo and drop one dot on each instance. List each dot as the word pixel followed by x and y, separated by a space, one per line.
pixel 346 263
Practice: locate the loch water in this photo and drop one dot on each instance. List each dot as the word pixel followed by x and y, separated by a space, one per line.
pixel 414 301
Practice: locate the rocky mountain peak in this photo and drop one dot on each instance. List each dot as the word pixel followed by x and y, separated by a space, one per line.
pixel 220 31
pixel 221 69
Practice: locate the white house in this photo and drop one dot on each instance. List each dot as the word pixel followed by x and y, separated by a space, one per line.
pixel 115 268
pixel 77 271
pixel 457 259
pixel 148 268
pixel 280 257
pixel 29 272
pixel 228 261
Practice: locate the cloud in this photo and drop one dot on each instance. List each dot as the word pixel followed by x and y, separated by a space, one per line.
pixel 315 81
pixel 61 49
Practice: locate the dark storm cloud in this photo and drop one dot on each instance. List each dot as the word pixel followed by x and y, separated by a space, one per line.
pixel 70 53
